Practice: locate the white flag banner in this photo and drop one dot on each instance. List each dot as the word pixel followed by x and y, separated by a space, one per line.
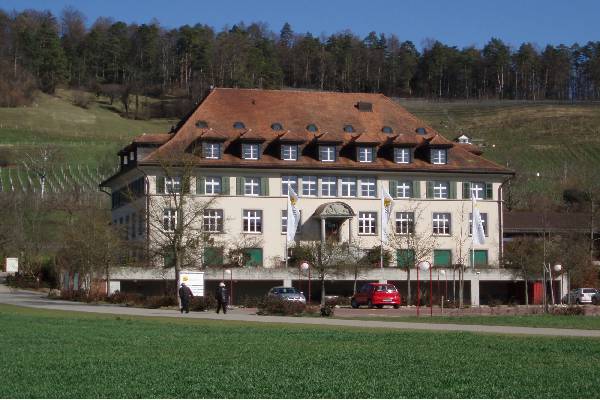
pixel 387 205
pixel 477 232
pixel 293 215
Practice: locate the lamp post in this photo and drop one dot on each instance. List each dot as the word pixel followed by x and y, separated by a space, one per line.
pixel 423 265
pixel 306 267
pixel 557 269
pixel 230 272
pixel 443 272
pixel 478 299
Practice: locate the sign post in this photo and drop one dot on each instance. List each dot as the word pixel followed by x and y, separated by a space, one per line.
pixel 12 265
pixel 194 280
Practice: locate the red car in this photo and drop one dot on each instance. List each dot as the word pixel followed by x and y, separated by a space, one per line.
pixel 376 294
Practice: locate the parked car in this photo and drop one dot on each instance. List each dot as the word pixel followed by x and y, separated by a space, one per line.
pixel 376 294
pixel 287 293
pixel 580 296
pixel 596 297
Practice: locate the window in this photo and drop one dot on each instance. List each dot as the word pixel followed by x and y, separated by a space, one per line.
pixel 327 153
pixel 367 223
pixel 173 184
pixel 477 190
pixel 329 186
pixel 387 129
pixel 289 152
pixel 365 154
pixel 239 125
pixel 213 221
pixel 133 222
pixel 401 155
pixel 405 223
pixel 441 223
pixel 284 222
pixel 348 187
pixel 212 185
pixel 250 151
pixel 127 226
pixel 405 258
pixel 251 186
pixel 349 128
pixel 441 190
pixel 287 182
pixel 169 219
pixel 404 189
pixel 276 126
pixel 252 220
pixel 442 258
pixel 140 224
pixel 312 128
pixel 202 124
pixel 253 257
pixel 309 185
pixel 439 156
pixel 481 258
pixel 484 222
pixel 368 187
pixel 421 131
pixel 212 150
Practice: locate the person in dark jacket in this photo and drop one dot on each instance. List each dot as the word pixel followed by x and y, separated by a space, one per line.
pixel 185 294
pixel 222 298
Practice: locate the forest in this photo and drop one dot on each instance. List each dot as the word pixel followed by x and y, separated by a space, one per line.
pixel 39 50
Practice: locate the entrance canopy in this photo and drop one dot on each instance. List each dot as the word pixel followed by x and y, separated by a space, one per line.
pixel 336 209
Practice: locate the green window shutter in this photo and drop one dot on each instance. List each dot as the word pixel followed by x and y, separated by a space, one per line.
pixel 416 189
pixel 239 185
pixel 489 191
pixel 225 185
pixel 466 190
pixel 405 258
pixel 430 189
pixel 253 257
pixel 200 185
pixel 160 185
pixel 442 258
pixel 186 184
pixel 452 190
pixel 393 187
pixel 481 258
pixel 264 186
pixel 213 256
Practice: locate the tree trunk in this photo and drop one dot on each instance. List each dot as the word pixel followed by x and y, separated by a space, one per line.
pixel 461 285
pixel 408 293
pixel 322 290
pixel 526 292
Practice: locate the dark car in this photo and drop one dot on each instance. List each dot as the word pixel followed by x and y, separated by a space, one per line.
pixel 596 297
pixel 376 294
pixel 287 293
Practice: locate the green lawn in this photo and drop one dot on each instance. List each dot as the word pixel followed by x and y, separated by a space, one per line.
pixel 534 321
pixel 59 354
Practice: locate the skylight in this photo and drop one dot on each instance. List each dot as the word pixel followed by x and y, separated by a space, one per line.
pixel 349 128
pixel 239 125
pixel 312 128
pixel 421 131
pixel 387 129
pixel 277 126
pixel 202 124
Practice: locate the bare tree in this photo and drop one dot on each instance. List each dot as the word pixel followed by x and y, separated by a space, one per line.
pixel 410 244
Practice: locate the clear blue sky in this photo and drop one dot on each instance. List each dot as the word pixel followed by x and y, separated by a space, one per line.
pixel 454 22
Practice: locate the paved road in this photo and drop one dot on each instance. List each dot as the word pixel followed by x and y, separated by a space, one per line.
pixel 37 300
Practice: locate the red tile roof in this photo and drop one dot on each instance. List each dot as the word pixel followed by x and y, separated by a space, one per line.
pixel 330 112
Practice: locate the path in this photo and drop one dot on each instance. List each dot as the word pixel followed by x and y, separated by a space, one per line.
pixel 39 300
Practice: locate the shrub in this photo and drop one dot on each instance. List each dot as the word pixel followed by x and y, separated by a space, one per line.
pixel 249 301
pixel 333 301
pixel 567 310
pixel 160 301
pixel 129 299
pixel 203 303
pixel 275 306
pixel 327 311
pixel 81 99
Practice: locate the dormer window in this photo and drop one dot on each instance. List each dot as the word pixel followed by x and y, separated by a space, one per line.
pixel 277 126
pixel 172 184
pixel 250 151
pixel 349 128
pixel 439 156
pixel 327 153
pixel 289 152
pixel 387 129
pixel 239 125
pixel 312 128
pixel 212 150
pixel 421 131
pixel 401 155
pixel 202 124
pixel 365 154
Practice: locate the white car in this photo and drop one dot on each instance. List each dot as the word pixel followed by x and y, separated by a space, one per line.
pixel 580 296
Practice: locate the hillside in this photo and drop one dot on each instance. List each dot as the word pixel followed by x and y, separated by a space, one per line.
pixel 556 140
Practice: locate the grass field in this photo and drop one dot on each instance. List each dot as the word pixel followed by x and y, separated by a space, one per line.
pixel 59 354
pixel 533 321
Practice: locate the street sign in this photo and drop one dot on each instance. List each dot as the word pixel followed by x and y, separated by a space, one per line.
pixel 12 265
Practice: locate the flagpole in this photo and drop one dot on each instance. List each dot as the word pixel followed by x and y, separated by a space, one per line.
pixel 472 229
pixel 287 214
pixel 381 246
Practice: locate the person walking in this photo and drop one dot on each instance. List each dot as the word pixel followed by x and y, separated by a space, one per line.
pixel 185 295
pixel 222 298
